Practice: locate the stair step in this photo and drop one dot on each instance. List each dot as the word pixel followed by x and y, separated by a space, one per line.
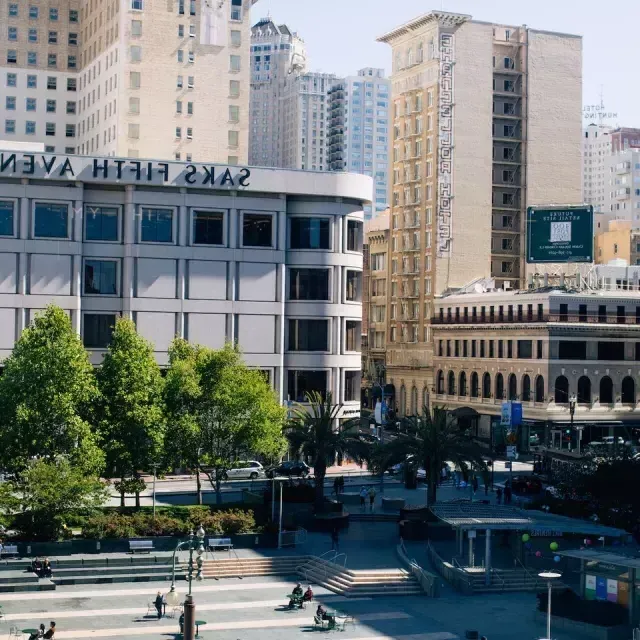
pixel 112 578
pixel 42 585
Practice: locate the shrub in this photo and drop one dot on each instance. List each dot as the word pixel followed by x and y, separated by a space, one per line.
pixel 230 522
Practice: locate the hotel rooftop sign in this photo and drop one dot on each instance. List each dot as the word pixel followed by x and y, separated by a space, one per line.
pixel 109 170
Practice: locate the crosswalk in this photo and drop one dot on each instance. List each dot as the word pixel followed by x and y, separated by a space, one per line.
pixel 255 609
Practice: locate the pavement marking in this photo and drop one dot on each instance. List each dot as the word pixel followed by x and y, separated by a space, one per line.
pixel 229 606
pixel 222 626
pixel 150 591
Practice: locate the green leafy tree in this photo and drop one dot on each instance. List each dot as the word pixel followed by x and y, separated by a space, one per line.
pixel 312 432
pixel 131 417
pixel 47 493
pixel 46 396
pixel 431 442
pixel 220 410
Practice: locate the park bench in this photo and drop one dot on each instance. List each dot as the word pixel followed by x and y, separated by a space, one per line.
pixel 9 550
pixel 219 543
pixel 141 545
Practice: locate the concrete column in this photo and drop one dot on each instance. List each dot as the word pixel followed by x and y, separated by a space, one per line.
pixel 233 230
pixel 471 558
pixel 280 329
pixel 461 543
pixel 281 239
pixel 25 214
pixel 180 294
pixel 487 556
pixel 337 384
pixel 78 214
pixel 23 258
pixel 129 237
pixel 184 227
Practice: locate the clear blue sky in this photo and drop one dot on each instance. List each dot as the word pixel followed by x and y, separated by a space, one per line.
pixel 341 36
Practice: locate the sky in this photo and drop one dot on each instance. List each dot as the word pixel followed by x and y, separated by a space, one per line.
pixel 340 36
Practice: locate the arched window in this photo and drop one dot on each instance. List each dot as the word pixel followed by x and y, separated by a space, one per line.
pixel 499 386
pixel 486 386
pixel 462 386
pixel 398 60
pixel 526 388
pixel 561 390
pixel 432 50
pixel 403 401
pixel 539 389
pixel 420 52
pixel 425 398
pixel 513 387
pixel 628 390
pixel 414 402
pixel 584 390
pixel 606 390
pixel 409 57
pixel 475 391
pixel 440 382
pixel 451 383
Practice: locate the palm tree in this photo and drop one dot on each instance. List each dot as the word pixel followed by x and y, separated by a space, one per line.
pixel 311 432
pixel 430 442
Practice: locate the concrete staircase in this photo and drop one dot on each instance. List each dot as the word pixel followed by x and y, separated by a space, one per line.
pixel 355 583
pixel 355 516
pixel 12 581
pixel 259 566
pixel 508 580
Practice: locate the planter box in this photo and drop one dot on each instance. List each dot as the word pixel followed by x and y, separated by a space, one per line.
pixel 349 498
pixel 393 504
pixel 584 630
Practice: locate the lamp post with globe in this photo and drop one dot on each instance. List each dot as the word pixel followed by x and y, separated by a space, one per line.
pixel 194 543
pixel 549 576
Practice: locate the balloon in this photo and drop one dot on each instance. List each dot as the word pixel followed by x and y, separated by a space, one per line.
pixel 527 545
pixel 553 546
pixel 538 554
pixel 587 542
pixel 556 558
pixel 526 537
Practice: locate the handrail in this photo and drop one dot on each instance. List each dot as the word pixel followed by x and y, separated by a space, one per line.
pixel 424 577
pixel 456 563
pixel 529 574
pixel 344 562
pixel 238 563
pixel 449 572
pixel 493 572
pixel 325 562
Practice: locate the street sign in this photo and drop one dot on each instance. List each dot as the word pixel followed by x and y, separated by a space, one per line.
pixel 512 452
pixel 516 414
pixel 560 233
pixel 471 534
pixel 505 414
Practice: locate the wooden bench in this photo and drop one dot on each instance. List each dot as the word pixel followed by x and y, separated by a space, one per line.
pixel 219 543
pixel 9 550
pixel 141 545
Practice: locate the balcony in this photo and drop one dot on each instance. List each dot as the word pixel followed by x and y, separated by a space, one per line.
pixel 623 167
pixel 528 318
pixel 622 194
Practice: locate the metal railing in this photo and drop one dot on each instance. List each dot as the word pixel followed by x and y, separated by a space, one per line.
pixel 530 576
pixel 428 581
pixel 495 574
pixel 454 576
pixel 325 560
pixel 517 318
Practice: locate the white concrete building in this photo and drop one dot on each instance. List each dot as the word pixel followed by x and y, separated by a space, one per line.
pixel 128 77
pixel 622 188
pixel 277 53
pixel 267 258
pixel 596 149
pixel 359 108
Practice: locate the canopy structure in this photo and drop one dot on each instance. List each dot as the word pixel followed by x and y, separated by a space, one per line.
pixel 608 557
pixel 476 515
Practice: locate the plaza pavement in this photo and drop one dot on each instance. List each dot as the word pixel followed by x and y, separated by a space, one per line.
pixel 254 609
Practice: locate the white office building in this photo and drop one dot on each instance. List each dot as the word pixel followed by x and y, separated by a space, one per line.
pixel 622 190
pixel 359 130
pixel 596 150
pixel 267 258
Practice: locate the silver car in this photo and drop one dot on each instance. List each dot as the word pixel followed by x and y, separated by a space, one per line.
pixel 246 470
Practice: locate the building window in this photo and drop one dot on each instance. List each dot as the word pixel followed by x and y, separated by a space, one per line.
pixel 192 7
pixel 9 126
pixel 190 108
pixel 208 227
pixel 13 10
pixel 234 63
pixel 310 233
pixel 10 103
pixel 30 104
pixel 302 382
pixel 53 14
pixel 308 284
pixel 181 7
pixel 233 138
pixel 50 220
pixel 12 33
pixel 73 15
pixel 178 133
pixel 234 113
pixel 33 13
pixel 236 38
pixel 71 107
pixel 156 225
pixel 308 335
pixel 33 36
pixel 98 329
pixel 354 235
pixel 352 382
pixel 353 290
pixel 32 58
pixel 52 60
pixel 136 5
pixel 6 218
pixel 50 129
pixel 178 106
pixel 134 131
pixel 257 230
pixel 70 131
pixel 51 106
pixel 12 56
pixel 234 88
pixel 352 336
pixel 134 80
pixel 71 84
pixel 53 37
pixel 100 277
pixel 135 53
pixel 30 127
pixel 101 223
pixel 73 39
pixel 236 9
pixel 12 80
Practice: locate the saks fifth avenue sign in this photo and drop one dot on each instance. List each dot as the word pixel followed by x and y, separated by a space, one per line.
pixel 118 170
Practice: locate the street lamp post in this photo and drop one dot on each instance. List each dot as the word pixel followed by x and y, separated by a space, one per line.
pixel 572 410
pixel 194 543
pixel 155 466
pixel 549 576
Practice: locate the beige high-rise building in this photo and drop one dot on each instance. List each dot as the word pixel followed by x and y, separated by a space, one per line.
pixel 487 120
pixel 136 78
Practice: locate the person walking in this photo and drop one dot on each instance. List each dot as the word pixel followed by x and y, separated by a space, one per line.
pixel 507 492
pixel 443 475
pixel 363 497
pixel 158 604
pixel 499 495
pixel 372 498
pixel 335 539
pixel 474 484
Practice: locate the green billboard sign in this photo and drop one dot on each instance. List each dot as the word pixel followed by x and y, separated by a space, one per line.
pixel 560 233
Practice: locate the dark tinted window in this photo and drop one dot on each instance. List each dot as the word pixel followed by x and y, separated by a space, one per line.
pixel 353 335
pixel 310 233
pixel 309 284
pixel 308 335
pixel 257 230
pixel 304 381
pixel 525 349
pixel 610 350
pixel 98 329
pixel 572 350
pixel 100 277
pixel 351 386
pixel 157 225
pixel 6 218
pixel 354 235
pixel 50 220
pixel 208 227
pixel 101 223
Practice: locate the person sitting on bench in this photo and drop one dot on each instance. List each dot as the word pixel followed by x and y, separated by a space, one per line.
pixel 296 597
pixel 46 571
pixel 36 567
pixel 297 591
pixel 38 634
pixel 51 632
pixel 308 595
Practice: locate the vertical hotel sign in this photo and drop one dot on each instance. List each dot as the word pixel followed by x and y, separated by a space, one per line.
pixel 445 146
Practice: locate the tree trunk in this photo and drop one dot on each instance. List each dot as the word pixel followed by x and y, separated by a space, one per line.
pixel 218 490
pixel 320 471
pixel 122 498
pixel 198 483
pixel 432 491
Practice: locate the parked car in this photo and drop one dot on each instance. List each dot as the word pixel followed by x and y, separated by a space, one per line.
pixel 290 468
pixel 531 485
pixel 245 469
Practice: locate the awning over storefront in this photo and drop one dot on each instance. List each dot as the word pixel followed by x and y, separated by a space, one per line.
pixel 464 412
pixel 389 390
pixel 608 557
